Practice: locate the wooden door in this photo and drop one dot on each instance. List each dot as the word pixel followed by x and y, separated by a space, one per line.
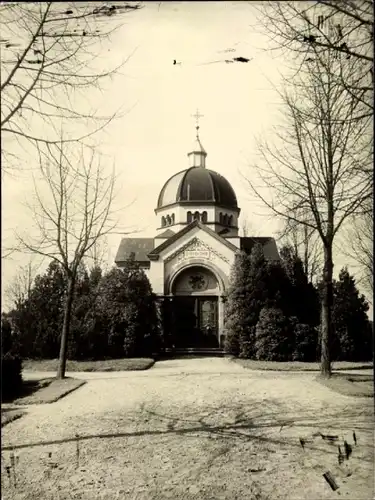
pixel 208 321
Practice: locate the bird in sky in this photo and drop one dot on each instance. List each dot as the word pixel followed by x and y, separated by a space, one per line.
pixel 242 59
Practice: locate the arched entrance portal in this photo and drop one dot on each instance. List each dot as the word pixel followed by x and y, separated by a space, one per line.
pixel 195 298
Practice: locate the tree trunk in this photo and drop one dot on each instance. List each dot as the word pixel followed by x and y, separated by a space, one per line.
pixel 306 251
pixel 65 329
pixel 326 316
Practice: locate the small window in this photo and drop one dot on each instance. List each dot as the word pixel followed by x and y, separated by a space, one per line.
pixel 204 217
pixel 172 219
pixel 221 217
pixel 225 219
pixel 189 217
pixel 230 220
pixel 163 223
pixel 196 216
pixel 168 220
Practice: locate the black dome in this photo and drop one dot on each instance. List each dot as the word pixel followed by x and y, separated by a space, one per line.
pixel 198 185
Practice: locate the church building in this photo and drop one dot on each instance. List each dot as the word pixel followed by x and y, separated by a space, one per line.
pixel 189 260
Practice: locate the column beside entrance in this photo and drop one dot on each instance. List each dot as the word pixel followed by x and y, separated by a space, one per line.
pixel 221 308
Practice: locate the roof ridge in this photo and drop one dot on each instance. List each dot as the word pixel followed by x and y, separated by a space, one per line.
pixel 195 223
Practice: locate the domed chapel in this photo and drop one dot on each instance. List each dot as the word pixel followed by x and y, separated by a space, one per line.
pixel 189 260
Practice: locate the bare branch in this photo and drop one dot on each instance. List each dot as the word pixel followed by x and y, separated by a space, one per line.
pixel 306 32
pixel 20 287
pixel 317 176
pixel 73 211
pixel 48 56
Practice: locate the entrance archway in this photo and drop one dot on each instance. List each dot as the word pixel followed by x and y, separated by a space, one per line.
pixel 195 294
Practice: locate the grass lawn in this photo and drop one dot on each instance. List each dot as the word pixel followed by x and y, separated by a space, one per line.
pixel 350 385
pixel 287 366
pixel 10 414
pixel 47 390
pixel 37 392
pixel 108 365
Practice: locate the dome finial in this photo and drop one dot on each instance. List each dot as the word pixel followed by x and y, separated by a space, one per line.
pixel 197 155
pixel 197 116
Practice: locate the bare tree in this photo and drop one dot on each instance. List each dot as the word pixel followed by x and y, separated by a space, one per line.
pixel 97 256
pixel 49 59
pixel 306 243
pixel 345 28
pixel 7 252
pixel 360 248
pixel 247 228
pixel 314 176
pixel 72 210
pixel 20 287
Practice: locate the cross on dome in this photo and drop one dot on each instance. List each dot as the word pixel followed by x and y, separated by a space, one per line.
pixel 197 154
pixel 197 116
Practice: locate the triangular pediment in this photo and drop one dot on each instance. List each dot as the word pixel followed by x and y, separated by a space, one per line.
pixel 196 249
pixel 154 254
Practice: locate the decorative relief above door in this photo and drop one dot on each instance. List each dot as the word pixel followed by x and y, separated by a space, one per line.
pixel 196 249
pixel 198 282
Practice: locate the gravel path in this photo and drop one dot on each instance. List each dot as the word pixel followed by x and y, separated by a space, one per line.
pixel 202 428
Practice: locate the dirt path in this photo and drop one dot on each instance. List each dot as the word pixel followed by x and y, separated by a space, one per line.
pixel 192 429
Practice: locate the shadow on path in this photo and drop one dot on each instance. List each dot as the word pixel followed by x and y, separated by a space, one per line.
pixel 247 425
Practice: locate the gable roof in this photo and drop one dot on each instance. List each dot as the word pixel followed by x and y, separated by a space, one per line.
pixel 167 234
pixel 140 247
pixel 144 251
pixel 154 254
pixel 269 246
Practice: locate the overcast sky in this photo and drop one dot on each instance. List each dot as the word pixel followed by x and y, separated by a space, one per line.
pixel 150 142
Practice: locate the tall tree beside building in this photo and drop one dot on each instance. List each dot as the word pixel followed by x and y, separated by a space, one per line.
pixel 318 168
pixel 73 210
pixel 352 327
pixel 37 320
pixel 88 336
pixel 236 317
pixel 303 297
pixel 273 336
pixel 128 308
pixel 248 293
